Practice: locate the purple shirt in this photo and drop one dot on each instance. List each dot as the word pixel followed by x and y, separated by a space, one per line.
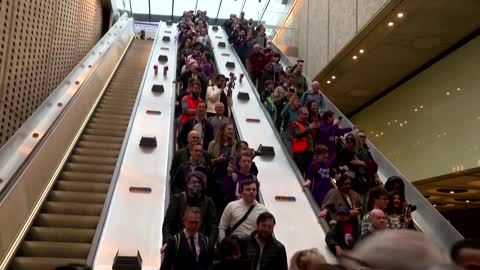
pixel 326 134
pixel 231 185
pixel 319 173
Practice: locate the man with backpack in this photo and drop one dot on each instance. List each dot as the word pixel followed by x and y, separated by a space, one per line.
pixel 188 249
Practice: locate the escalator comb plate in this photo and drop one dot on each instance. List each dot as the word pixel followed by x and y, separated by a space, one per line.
pixel 222 44
pixel 158 88
pixel 162 58
pixel 215 28
pixel 148 142
pixel 166 38
pixel 243 96
pixel 230 65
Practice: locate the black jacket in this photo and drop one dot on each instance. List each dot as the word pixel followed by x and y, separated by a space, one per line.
pixel 172 222
pixel 182 258
pixel 188 126
pixel 182 156
pixel 274 256
pixel 336 237
pixel 177 183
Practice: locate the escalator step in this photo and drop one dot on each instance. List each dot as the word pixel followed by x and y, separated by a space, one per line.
pixel 66 208
pixel 112 116
pixel 67 221
pixel 109 121
pixel 95 152
pixel 99 145
pixel 77 197
pixel 107 126
pixel 43 263
pixel 54 249
pixel 100 132
pixel 83 176
pixel 82 186
pixel 66 235
pixel 84 159
pixel 94 168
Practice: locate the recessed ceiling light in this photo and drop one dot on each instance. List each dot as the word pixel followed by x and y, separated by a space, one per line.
pixel 400 15
pixel 390 24
pixel 361 51
pixel 395 121
pixel 452 192
pixel 401 125
pixel 447 93
pixel 333 77
pixel 434 205
pixel 355 57
pixel 416 110
pixel 458 89
pixel 405 121
pixel 421 107
pixel 381 133
pixel 467 201
pixel 389 122
pixel 329 82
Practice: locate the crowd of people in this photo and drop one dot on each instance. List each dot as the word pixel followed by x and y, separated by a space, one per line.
pixel 214 219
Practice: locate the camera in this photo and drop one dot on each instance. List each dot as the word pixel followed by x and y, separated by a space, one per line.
pixel 412 207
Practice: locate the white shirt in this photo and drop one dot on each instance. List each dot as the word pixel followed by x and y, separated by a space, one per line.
pixel 234 212
pixel 213 96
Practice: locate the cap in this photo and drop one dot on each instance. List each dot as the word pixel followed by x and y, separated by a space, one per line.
pixel 343 210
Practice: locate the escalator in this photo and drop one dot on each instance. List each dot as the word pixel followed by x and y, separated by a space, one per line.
pixel 426 218
pixel 64 228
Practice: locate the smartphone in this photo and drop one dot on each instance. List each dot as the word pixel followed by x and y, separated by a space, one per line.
pixel 340 118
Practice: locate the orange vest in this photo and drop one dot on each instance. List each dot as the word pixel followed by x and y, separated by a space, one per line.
pixel 299 144
pixel 192 105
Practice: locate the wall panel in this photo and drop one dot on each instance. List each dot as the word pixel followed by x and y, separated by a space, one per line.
pixel 41 41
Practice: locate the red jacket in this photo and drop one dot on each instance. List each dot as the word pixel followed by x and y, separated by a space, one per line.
pixel 257 62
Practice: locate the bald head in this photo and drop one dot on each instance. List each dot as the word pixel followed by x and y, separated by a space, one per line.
pixel 193 137
pixel 219 108
pixel 315 86
pixel 378 219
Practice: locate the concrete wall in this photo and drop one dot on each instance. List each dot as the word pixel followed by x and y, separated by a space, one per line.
pixel 319 29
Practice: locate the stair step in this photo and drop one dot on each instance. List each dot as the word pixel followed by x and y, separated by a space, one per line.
pixel 84 176
pixel 66 221
pixel 96 152
pixel 66 208
pixel 77 197
pixel 109 121
pixel 66 235
pixel 84 159
pixel 43 263
pixel 54 249
pixel 77 186
pixel 102 132
pixel 92 168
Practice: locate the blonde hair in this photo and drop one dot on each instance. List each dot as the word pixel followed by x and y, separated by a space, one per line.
pixel 302 259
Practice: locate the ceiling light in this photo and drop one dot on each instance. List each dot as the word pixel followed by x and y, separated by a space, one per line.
pixel 400 15
pixel 458 89
pixel 389 122
pixel 395 121
pixel 447 93
pixel 434 205
pixel 421 107
pixel 329 82
pixel 361 51
pixel 416 110
pixel 401 125
pixel 467 201
pixel 355 57
pixel 452 192
pixel 333 77
pixel 390 24
pixel 381 133
pixel 405 121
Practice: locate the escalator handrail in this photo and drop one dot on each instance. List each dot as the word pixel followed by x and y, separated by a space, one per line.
pixel 427 218
pixel 21 147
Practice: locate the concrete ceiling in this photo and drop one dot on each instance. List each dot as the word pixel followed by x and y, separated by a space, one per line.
pixel 428 30
pixel 465 186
